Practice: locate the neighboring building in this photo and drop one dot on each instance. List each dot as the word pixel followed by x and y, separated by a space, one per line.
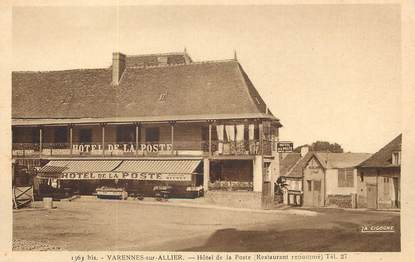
pixel 147 120
pixel 291 169
pixel 380 177
pixel 325 179
pixel 330 179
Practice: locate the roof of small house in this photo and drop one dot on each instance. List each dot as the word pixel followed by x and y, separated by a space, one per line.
pixel 383 158
pixel 288 162
pixel 198 89
pixel 341 160
pixel 293 164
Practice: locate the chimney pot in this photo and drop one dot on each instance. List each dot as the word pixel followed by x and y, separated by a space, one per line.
pixel 304 151
pixel 118 67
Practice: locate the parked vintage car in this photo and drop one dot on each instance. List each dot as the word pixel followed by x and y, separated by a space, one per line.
pixel 111 193
pixel 165 192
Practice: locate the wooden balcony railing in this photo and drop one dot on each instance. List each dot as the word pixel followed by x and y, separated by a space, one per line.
pixel 117 149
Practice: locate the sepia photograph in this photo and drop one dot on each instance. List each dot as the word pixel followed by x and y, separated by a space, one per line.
pixel 211 128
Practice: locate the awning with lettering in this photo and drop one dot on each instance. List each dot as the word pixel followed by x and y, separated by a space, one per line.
pixel 161 170
pixel 58 167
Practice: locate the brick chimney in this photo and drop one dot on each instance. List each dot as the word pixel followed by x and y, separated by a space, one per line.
pixel 118 67
pixel 304 150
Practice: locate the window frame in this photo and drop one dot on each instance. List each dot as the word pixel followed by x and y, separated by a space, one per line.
pixel 345 178
pixel 396 158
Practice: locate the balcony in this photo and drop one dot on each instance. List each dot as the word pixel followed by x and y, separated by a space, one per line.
pixel 133 149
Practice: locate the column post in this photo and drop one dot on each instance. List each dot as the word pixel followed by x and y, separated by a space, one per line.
pixel 103 138
pixel 206 174
pixel 210 138
pixel 172 123
pixel 261 138
pixel 70 138
pixel 40 140
pixel 137 139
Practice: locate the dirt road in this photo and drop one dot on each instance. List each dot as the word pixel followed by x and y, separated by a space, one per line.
pixel 123 225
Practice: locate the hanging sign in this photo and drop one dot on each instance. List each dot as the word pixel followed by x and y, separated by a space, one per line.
pixel 285 147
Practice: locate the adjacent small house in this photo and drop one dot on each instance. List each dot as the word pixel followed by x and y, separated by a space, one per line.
pixel 291 169
pixel 380 178
pixel 330 179
pixel 322 179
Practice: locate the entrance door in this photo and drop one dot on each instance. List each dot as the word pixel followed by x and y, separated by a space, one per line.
pixel 316 193
pixel 371 195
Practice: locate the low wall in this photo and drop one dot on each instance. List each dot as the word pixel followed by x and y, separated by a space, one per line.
pixel 239 199
pixel 342 201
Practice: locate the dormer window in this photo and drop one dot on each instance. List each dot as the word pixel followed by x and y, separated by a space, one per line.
pixel 162 97
pixel 396 158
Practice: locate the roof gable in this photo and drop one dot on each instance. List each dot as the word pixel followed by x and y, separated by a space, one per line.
pixel 383 158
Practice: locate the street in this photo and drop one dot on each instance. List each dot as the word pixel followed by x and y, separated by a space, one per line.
pixel 127 225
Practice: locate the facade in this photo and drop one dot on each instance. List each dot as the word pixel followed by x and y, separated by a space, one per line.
pixel 145 121
pixel 327 179
pixel 380 178
pixel 291 169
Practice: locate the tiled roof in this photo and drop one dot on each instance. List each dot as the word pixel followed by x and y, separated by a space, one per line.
pixel 296 168
pixel 293 164
pixel 341 160
pixel 288 162
pixel 383 158
pixel 206 88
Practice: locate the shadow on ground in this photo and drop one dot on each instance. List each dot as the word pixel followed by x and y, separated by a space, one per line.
pixel 342 237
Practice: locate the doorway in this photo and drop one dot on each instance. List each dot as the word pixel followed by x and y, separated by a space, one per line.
pixel 371 195
pixel 316 193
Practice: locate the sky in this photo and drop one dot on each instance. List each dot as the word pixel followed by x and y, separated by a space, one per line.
pixel 328 72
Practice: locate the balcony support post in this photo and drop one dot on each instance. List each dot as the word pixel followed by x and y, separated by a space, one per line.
pixel 172 123
pixel 206 174
pixel 210 139
pixel 103 138
pixel 261 138
pixel 40 140
pixel 70 139
pixel 137 139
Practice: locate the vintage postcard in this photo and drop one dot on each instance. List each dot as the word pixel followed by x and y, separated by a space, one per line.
pixel 212 132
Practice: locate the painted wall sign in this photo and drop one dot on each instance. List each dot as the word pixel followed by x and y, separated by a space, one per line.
pixel 125 175
pixel 285 147
pixel 87 148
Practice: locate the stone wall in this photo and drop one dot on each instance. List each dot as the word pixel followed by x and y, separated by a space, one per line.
pixel 234 199
pixel 342 201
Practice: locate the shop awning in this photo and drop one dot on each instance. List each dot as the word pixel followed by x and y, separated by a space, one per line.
pixel 160 166
pixel 162 170
pixel 58 167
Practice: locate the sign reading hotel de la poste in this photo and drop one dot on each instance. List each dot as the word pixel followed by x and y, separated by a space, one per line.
pixel 126 148
pixel 126 175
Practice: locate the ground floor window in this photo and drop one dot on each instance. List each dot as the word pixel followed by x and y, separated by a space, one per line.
pixel 231 175
pixel 345 177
